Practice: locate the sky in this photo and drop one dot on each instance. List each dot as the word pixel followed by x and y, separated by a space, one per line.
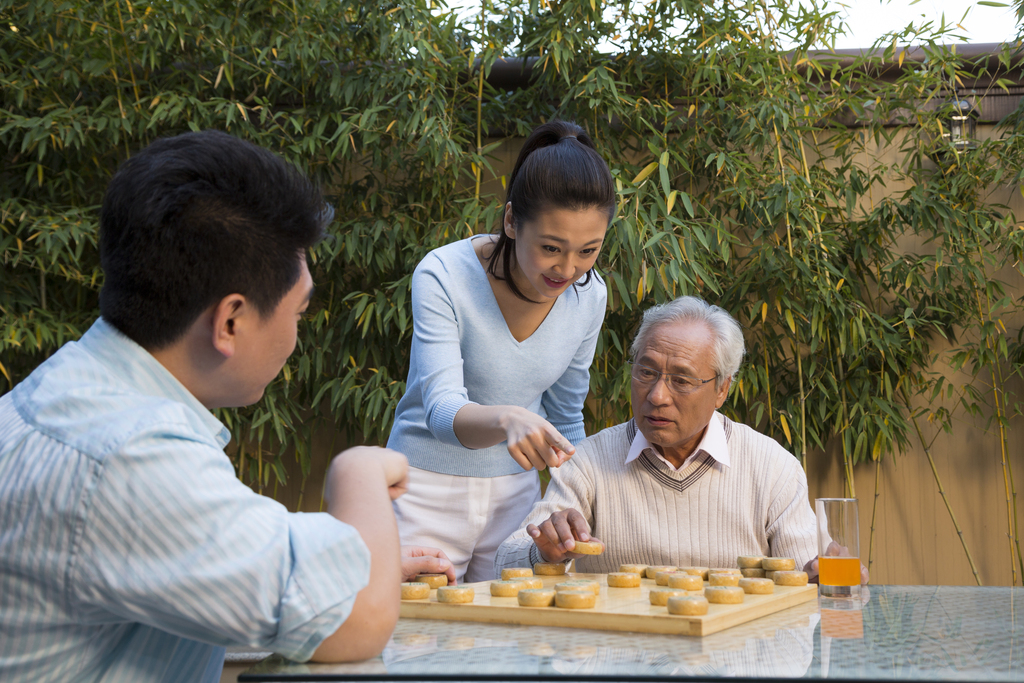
pixel 869 19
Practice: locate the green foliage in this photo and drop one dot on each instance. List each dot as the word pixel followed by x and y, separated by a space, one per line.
pixel 740 179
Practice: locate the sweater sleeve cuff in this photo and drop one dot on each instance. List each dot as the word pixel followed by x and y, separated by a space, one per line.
pixel 573 432
pixel 535 557
pixel 442 419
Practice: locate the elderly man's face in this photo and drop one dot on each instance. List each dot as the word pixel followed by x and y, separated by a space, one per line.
pixel 674 423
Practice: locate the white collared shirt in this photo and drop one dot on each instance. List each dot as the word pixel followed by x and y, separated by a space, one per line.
pixel 713 443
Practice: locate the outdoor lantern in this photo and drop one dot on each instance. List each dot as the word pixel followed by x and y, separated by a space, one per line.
pixel 961 126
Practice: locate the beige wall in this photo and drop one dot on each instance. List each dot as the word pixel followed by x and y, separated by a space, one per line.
pixel 915 540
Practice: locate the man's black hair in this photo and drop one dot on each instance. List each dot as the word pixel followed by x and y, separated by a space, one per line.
pixel 193 218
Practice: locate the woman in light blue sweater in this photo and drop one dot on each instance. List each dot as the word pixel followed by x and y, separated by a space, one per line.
pixel 504 332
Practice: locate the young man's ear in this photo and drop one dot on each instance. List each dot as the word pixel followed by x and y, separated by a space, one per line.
pixel 226 315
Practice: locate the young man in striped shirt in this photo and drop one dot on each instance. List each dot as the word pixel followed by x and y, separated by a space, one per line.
pixel 129 550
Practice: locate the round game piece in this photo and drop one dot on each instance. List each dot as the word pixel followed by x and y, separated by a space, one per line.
pixel 688 582
pixel 653 569
pixel 575 599
pixel 537 597
pixel 549 569
pixel 640 569
pixel 778 564
pixel 434 580
pixel 415 640
pixel 757 586
pixel 541 649
pixel 688 605
pixel 769 574
pixel 725 570
pixel 661 578
pixel 702 572
pixel 587 548
pixel 624 579
pixel 455 594
pixel 530 581
pixel 724 595
pixel 506 589
pixel 579 584
pixel 749 561
pixel 660 596
pixel 515 572
pixel 415 591
pixel 752 572
pixel 577 652
pixel 716 579
pixel 457 643
pixel 787 578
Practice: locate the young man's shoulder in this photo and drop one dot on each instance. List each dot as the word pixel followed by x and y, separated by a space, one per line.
pixel 77 400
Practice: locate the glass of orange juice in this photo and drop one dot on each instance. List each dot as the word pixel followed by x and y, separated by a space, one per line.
pixel 838 547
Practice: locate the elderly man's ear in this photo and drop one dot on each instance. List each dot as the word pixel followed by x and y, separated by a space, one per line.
pixel 723 393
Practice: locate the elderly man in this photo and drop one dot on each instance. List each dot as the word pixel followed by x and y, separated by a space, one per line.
pixel 679 484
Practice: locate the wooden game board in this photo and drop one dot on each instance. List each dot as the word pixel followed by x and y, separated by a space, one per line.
pixel 617 609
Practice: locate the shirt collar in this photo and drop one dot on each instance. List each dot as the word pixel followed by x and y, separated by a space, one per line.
pixel 145 372
pixel 714 444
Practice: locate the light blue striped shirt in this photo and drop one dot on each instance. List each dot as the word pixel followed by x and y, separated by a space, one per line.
pixel 129 551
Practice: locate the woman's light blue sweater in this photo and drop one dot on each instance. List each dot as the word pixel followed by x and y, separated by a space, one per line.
pixel 463 352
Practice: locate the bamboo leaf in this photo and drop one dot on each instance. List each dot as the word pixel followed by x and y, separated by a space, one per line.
pixel 647 170
pixel 785 428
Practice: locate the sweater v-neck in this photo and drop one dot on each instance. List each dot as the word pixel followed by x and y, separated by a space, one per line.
pixel 678 480
pixel 495 308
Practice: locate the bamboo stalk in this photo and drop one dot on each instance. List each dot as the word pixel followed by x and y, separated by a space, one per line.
pixel 847 464
pixel 259 468
pixel 1013 494
pixel 814 209
pixel 1011 517
pixel 942 491
pixel 480 101
pixel 874 512
pixel 803 406
pixel 131 69
pixel 782 174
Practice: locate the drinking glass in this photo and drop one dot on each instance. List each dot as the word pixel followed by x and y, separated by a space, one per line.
pixel 838 547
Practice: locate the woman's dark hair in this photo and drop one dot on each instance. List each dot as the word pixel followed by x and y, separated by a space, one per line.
pixel 558 168
pixel 193 218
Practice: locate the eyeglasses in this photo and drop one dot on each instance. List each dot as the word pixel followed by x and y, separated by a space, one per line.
pixel 679 384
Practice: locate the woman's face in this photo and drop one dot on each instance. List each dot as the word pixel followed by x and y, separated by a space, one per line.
pixel 555 249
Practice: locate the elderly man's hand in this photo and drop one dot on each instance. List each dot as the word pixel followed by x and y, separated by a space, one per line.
pixel 556 536
pixel 833 550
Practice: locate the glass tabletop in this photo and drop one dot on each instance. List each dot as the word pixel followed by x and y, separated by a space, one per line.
pixel 899 633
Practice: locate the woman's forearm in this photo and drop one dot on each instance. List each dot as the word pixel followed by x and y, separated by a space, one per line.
pixel 480 426
pixel 532 441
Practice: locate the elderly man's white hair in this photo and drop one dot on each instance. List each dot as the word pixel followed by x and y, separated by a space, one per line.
pixel 727 348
